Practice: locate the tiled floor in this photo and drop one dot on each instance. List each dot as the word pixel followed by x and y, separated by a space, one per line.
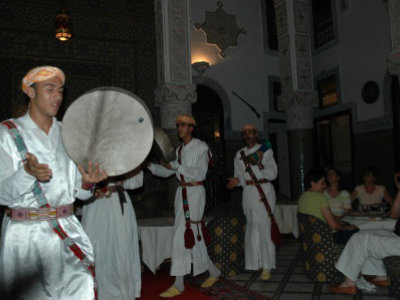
pixel 288 281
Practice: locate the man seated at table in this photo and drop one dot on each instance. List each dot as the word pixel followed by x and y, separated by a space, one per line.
pixel 365 251
pixel 313 202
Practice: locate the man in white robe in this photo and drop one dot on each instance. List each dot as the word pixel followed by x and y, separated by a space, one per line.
pixel 111 226
pixel 365 251
pixel 35 263
pixel 259 248
pixel 192 167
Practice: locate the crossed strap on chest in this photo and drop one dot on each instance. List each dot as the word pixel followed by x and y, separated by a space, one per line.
pixel 40 197
pixel 275 234
pixel 189 235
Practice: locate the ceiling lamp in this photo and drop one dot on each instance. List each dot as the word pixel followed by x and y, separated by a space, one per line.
pixel 63 24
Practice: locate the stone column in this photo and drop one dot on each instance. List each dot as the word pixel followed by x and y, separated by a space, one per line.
pixel 298 97
pixel 175 93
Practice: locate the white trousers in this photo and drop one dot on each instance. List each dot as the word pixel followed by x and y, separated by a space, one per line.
pixel 364 252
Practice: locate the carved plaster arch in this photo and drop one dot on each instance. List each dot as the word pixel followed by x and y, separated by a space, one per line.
pixel 219 90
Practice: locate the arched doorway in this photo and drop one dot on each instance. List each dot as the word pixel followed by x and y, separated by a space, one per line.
pixel 208 112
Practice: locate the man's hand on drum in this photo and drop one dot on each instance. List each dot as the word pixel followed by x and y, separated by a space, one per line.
pixel 93 175
pixel 41 172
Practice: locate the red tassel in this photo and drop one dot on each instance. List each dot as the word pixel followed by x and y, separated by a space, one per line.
pixel 275 234
pixel 206 235
pixel 189 237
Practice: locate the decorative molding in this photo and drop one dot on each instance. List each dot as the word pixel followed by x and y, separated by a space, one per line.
pixel 178 41
pixel 301 17
pixel 281 19
pixel 175 92
pixel 171 109
pixel 299 112
pixel 221 29
pixel 303 60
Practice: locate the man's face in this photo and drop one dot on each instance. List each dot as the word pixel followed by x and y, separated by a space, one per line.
pixel 184 130
pixel 249 136
pixel 46 96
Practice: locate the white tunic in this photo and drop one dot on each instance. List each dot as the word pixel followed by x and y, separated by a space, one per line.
pixel 115 241
pixel 31 250
pixel 194 168
pixel 365 251
pixel 259 248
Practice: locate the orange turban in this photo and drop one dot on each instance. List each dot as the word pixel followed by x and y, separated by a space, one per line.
pixel 39 74
pixel 249 127
pixel 188 119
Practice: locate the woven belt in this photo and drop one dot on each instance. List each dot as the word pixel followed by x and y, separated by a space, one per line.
pixel 41 213
pixel 193 183
pixel 255 182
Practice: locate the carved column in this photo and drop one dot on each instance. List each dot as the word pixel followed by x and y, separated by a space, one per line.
pixel 175 93
pixel 298 96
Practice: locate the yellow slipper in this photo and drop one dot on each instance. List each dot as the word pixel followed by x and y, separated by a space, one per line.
pixel 209 282
pixel 170 293
pixel 265 275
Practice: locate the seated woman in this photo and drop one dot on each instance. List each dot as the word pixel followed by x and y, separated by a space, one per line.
pixel 369 193
pixel 365 251
pixel 339 199
pixel 313 202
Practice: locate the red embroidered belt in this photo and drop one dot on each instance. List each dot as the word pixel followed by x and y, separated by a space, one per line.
pixel 193 183
pixel 41 213
pixel 107 190
pixel 255 182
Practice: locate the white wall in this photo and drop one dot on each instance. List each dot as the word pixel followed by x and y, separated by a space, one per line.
pixel 364 43
pixel 245 68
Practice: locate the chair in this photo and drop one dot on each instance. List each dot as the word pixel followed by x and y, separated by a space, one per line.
pixel 319 250
pixel 392 265
pixel 226 249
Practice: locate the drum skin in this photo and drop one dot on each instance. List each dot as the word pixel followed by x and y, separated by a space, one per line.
pixel 162 147
pixel 110 126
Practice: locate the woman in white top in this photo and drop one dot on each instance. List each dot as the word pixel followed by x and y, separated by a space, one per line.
pixel 339 199
pixel 369 193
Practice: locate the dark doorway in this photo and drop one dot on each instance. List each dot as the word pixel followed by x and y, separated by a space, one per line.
pixel 208 112
pixel 334 145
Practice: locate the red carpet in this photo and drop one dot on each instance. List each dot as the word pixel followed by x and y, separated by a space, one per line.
pixel 153 285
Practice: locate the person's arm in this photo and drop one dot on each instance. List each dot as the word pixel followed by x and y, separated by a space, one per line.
pixel 333 222
pixel 14 179
pixel 88 179
pixel 386 196
pixel 239 178
pixel 197 172
pixel 395 210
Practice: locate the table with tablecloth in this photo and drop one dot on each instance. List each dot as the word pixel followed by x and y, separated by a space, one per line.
pixel 371 222
pixel 286 217
pixel 156 235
